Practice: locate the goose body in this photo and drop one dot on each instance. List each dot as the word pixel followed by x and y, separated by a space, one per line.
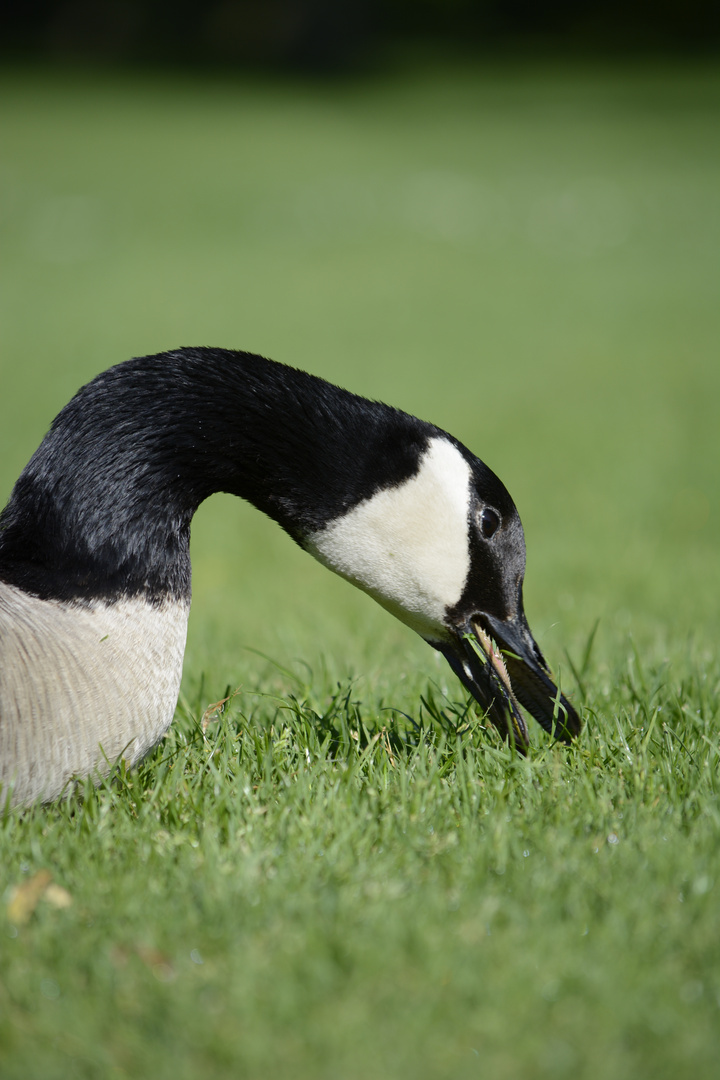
pixel 95 564
pixel 83 685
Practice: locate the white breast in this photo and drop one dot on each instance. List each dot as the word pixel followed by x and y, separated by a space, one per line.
pixel 407 546
pixel 81 686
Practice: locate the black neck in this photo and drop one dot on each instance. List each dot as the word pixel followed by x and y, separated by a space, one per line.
pixel 103 508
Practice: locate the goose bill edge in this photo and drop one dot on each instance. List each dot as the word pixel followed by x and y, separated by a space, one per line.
pixel 499 662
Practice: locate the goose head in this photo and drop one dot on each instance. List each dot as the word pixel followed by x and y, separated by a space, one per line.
pixel 444 551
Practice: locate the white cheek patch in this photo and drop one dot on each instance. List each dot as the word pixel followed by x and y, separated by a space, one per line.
pixel 408 546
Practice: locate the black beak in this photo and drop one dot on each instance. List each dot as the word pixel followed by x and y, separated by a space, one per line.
pixel 499 662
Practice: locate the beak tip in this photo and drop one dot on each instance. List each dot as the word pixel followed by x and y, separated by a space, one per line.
pixel 516 676
pixel 568 726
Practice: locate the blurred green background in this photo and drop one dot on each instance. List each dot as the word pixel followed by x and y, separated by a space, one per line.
pixel 525 253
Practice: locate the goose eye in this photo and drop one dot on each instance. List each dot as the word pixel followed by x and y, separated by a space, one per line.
pixel 489 521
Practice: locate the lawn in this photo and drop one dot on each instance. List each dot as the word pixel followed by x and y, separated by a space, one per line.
pixel 346 874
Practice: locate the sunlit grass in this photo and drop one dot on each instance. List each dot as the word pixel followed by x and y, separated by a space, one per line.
pixel 314 886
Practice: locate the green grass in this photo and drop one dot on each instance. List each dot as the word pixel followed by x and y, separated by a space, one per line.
pixel 347 875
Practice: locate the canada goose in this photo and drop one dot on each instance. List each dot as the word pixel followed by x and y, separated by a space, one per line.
pixel 95 563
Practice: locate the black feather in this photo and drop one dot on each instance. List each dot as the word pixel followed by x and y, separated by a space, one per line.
pixel 103 509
